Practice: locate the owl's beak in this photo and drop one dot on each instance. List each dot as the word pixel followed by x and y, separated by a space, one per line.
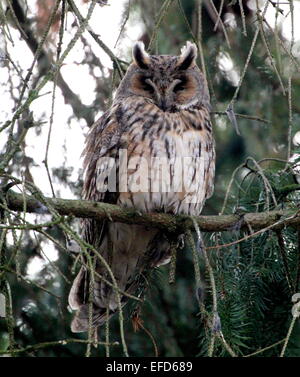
pixel 163 103
pixel 167 98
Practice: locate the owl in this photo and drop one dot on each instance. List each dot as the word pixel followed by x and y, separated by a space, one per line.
pixel 152 150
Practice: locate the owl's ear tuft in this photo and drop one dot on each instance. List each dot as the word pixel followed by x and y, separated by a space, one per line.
pixel 140 56
pixel 188 56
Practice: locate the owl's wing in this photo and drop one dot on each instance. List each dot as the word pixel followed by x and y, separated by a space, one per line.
pixel 100 152
pixel 102 145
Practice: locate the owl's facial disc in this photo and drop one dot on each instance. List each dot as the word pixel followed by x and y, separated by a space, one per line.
pixel 171 82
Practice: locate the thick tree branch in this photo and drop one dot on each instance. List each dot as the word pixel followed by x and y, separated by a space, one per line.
pixel 171 223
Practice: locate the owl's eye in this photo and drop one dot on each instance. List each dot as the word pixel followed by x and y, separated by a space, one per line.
pixel 181 85
pixel 146 84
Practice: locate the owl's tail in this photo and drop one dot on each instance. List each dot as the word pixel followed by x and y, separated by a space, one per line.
pixel 130 250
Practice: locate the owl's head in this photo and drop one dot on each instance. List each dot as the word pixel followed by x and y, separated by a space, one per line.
pixel 173 83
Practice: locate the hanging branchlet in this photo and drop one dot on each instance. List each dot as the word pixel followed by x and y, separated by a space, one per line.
pixel 284 259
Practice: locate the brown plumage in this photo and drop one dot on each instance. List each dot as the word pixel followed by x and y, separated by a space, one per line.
pixel 160 115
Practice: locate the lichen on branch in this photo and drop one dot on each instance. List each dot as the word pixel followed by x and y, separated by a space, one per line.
pixel 164 221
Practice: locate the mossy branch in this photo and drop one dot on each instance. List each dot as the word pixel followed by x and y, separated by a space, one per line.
pixel 164 221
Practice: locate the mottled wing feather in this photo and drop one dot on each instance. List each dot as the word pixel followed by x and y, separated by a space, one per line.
pixel 102 141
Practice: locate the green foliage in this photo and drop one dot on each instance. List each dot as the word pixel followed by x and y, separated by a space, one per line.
pixel 251 278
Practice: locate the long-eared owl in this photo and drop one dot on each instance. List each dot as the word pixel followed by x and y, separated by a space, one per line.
pixel 152 150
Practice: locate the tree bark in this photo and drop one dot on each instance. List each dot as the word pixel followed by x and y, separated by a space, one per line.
pixel 164 221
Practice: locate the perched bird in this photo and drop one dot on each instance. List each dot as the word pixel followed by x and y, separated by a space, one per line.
pixel 153 150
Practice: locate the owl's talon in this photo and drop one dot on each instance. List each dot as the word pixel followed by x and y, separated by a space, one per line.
pixel 236 227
